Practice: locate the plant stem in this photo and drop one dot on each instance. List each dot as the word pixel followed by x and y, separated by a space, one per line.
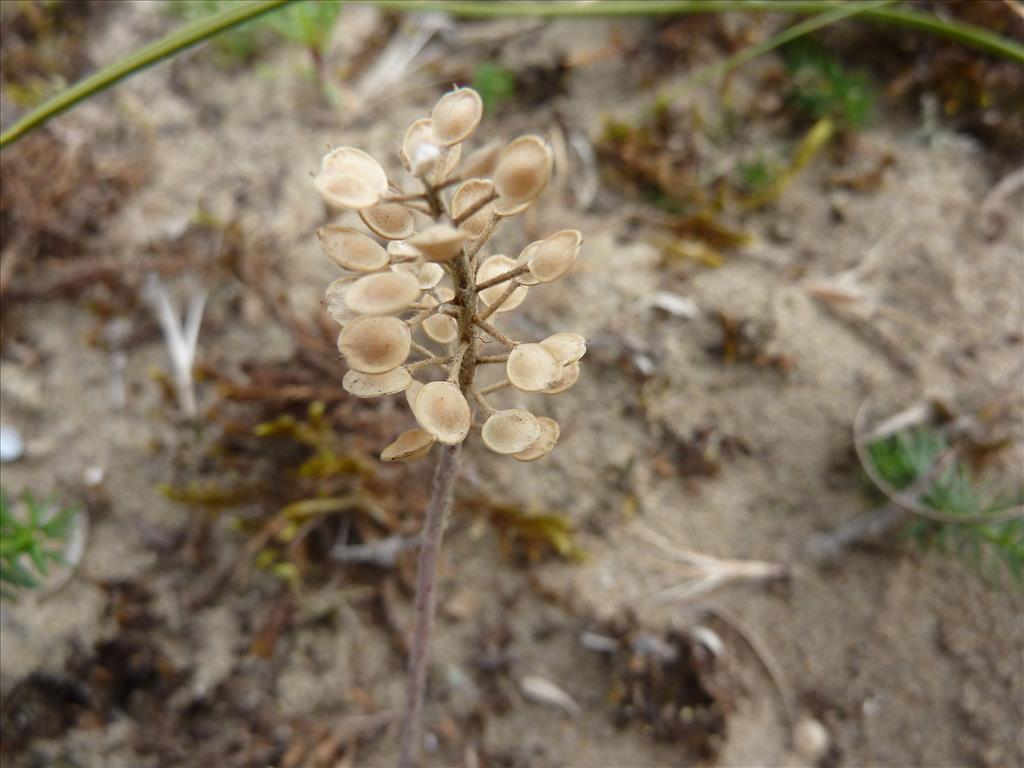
pixel 426 588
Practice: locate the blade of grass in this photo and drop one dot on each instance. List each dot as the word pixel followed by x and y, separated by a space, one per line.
pixel 174 43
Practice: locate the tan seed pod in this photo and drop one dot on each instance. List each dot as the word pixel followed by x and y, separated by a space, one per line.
pixel 447 163
pixel 567 346
pixel 428 275
pixel 334 300
pixel 350 178
pixel 351 249
pixel 400 251
pixel 506 209
pixel 419 152
pixel 532 368
pixel 541 447
pixel 411 392
pixel 510 431
pixel 553 256
pixel 492 267
pixel 524 258
pixel 439 243
pixel 410 445
pixel 570 375
pixel 456 115
pixel 375 344
pixel 392 221
pixel 523 170
pixel 468 195
pixel 443 412
pixel 481 162
pixel 376 384
pixel 383 293
pixel 441 327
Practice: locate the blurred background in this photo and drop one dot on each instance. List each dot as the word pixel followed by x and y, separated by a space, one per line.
pixel 782 525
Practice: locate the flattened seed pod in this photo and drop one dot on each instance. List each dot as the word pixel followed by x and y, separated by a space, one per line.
pixel 541 447
pixel 410 445
pixel 350 178
pixel 428 275
pixel 334 300
pixel 567 346
pixel 351 249
pixel 492 267
pixel 523 260
pixel 468 195
pixel 532 368
pixel 382 293
pixel 410 394
pixel 456 115
pixel 441 327
pixel 447 162
pixel 570 375
pixel 511 431
pixel 523 169
pixel 481 162
pixel 392 221
pixel 443 412
pixel 439 243
pixel 419 151
pixel 553 256
pixel 375 344
pixel 376 384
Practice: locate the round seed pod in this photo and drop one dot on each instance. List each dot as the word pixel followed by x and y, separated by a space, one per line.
pixel 392 221
pixel 382 293
pixel 334 300
pixel 541 447
pixel 532 368
pixel 553 256
pixel 523 169
pixel 439 243
pixel 524 258
pixel 410 445
pixel 456 115
pixel 351 249
pixel 428 275
pixel 570 375
pixel 418 146
pixel 375 344
pixel 511 431
pixel 481 162
pixel 469 194
pixel 376 384
pixel 441 327
pixel 350 178
pixel 443 412
pixel 492 267
pixel 567 346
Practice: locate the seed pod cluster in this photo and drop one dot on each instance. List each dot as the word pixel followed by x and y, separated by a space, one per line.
pixel 432 290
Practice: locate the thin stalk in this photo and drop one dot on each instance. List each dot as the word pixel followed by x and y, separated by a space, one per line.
pixel 176 42
pixel 513 273
pixel 426 589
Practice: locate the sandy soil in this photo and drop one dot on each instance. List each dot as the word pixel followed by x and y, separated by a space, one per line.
pixel 906 658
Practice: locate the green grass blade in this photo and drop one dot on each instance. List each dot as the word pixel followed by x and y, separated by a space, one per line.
pixel 174 43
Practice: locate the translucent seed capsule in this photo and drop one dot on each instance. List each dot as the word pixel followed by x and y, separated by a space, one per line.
pixel 468 195
pixel 376 384
pixel 392 221
pixel 456 115
pixel 569 376
pixel 523 169
pixel 492 267
pixel 439 243
pixel 567 346
pixel 441 327
pixel 411 392
pixel 443 412
pixel 334 299
pixel 532 368
pixel 510 431
pixel 410 445
pixel 382 293
pixel 428 275
pixel 375 344
pixel 350 178
pixel 419 153
pixel 351 249
pixel 542 446
pixel 552 257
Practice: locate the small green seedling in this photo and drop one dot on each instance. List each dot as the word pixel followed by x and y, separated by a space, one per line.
pixel 30 541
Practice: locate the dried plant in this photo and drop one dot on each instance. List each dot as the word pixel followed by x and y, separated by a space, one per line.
pixel 436 281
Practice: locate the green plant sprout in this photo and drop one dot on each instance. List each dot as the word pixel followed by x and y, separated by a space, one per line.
pixel 495 84
pixel 904 459
pixel 824 88
pixel 28 546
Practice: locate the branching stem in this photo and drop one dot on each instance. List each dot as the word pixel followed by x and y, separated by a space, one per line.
pixel 494 332
pixel 510 275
